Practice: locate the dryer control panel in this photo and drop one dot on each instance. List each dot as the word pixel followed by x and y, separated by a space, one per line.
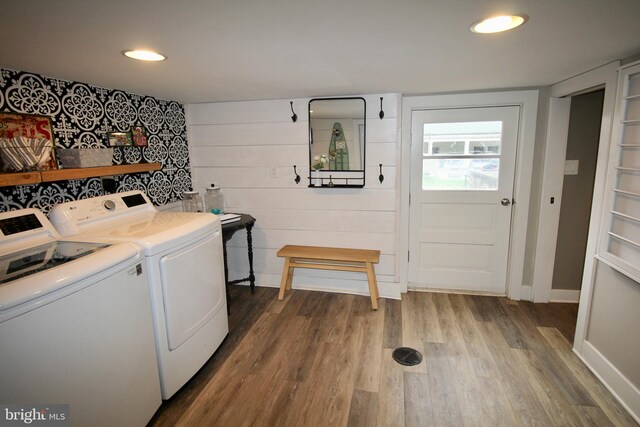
pixel 70 217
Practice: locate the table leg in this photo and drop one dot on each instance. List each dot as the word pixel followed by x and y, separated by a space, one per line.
pixel 252 277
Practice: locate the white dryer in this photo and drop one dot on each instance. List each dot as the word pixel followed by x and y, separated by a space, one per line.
pixel 75 326
pixel 183 254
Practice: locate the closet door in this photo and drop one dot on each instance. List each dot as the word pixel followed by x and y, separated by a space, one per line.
pixel 620 242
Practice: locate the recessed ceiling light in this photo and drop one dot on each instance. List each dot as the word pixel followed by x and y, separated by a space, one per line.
pixel 144 55
pixel 498 24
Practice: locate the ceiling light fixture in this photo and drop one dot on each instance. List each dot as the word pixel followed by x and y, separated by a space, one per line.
pixel 144 55
pixel 498 24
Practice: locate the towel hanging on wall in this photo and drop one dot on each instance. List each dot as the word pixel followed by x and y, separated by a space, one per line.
pixel 338 150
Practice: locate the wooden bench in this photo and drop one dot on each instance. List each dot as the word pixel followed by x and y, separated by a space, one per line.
pixel 341 259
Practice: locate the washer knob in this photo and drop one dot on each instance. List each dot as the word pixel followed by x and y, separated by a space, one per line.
pixel 109 205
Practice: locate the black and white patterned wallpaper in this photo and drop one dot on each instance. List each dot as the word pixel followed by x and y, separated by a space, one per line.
pixel 81 115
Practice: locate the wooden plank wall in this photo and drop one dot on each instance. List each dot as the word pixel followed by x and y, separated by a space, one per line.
pixel 236 144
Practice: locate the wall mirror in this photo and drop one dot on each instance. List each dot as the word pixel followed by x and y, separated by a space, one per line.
pixel 337 142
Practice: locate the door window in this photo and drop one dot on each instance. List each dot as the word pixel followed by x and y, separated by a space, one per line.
pixel 461 156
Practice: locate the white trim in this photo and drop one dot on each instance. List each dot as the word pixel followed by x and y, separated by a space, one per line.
pixel 630 64
pixel 618 268
pixel 586 81
pixel 528 100
pixel 526 292
pixel 388 290
pixel 552 181
pixel 620 387
pixel 553 177
pixel 455 291
pixel 565 295
pixel 401 268
pixel 607 75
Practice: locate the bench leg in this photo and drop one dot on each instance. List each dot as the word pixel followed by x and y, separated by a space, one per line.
pixel 290 276
pixel 375 282
pixel 373 285
pixel 285 281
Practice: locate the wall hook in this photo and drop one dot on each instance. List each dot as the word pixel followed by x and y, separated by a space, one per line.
pixel 295 116
pixel 381 177
pixel 381 114
pixel 297 179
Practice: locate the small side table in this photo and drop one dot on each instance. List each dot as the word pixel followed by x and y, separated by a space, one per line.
pixel 228 230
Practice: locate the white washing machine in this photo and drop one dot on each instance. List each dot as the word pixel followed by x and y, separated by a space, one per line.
pixel 75 325
pixel 183 254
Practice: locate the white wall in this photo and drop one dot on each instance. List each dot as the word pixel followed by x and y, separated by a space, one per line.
pixel 237 144
pixel 614 320
pixel 607 337
pixel 612 344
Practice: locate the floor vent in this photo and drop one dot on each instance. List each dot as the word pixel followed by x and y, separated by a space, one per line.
pixel 407 356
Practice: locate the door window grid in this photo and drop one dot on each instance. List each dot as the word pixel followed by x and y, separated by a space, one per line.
pixel 461 156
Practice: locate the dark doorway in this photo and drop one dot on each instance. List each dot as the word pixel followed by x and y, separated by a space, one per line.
pixel 577 191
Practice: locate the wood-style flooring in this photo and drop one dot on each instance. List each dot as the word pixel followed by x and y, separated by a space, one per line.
pixel 322 359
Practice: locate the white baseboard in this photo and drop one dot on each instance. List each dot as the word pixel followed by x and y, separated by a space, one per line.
pixel 454 291
pixel 526 293
pixel 620 387
pixel 390 290
pixel 565 295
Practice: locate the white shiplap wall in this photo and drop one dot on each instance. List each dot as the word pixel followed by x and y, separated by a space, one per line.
pixel 236 144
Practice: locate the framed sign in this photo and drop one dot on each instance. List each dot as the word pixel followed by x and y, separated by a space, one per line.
pixel 139 136
pixel 119 139
pixel 26 143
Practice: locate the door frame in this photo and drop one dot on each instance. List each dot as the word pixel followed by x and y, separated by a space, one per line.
pixel 478 246
pixel 553 176
pixel 606 75
pixel 528 102
pixel 555 151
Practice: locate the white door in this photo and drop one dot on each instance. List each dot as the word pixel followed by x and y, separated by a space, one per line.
pixel 462 173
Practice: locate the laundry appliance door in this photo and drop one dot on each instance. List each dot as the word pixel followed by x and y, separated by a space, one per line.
pixel 192 287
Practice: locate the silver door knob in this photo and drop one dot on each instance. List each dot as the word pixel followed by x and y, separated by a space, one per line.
pixel 505 202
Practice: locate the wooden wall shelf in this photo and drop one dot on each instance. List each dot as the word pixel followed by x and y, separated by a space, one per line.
pixel 22 178
pixel 62 174
pixel 9 179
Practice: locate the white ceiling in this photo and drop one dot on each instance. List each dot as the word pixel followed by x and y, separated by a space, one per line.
pixel 260 49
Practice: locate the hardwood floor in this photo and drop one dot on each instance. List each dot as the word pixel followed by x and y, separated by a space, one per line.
pixel 322 359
